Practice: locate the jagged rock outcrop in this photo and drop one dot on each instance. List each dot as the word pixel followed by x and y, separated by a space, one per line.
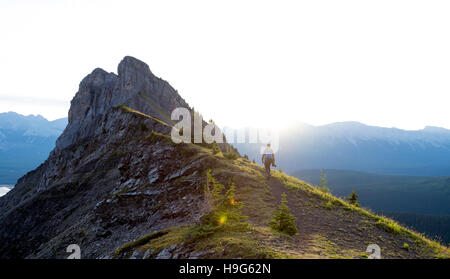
pixel 99 92
pixel 110 177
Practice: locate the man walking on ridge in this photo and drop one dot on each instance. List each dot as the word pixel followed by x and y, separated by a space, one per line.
pixel 268 159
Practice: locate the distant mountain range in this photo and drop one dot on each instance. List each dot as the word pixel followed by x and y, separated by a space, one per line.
pixel 355 146
pixel 25 142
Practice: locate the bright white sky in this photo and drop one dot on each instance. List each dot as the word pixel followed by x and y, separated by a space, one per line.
pixel 384 63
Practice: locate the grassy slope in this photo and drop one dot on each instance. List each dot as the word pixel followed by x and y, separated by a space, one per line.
pixel 420 202
pixel 328 226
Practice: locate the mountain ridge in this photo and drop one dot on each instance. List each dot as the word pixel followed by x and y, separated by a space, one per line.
pixel 119 187
pixel 35 125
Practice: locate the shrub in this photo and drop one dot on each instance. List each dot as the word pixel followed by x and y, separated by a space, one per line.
pixel 283 221
pixel 215 148
pixel 231 155
pixel 406 246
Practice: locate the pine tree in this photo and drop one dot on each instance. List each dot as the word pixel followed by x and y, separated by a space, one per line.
pixel 353 198
pixel 215 194
pixel 225 213
pixel 230 209
pixel 323 182
pixel 215 148
pixel 283 221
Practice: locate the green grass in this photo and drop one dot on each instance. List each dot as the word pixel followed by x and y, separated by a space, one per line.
pixel 127 109
pixel 174 235
pixel 225 244
pixel 237 245
pixel 155 106
pixel 231 155
pixel 140 241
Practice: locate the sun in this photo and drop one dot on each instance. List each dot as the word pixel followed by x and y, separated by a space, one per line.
pixel 223 219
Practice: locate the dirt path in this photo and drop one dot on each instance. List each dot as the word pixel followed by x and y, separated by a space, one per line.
pixel 307 224
pixel 336 232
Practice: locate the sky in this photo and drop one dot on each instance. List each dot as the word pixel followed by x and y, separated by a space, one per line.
pixel 257 63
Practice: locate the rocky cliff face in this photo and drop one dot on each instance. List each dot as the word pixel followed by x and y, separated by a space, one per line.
pixel 112 175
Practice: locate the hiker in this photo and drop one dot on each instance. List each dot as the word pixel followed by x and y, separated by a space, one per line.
pixel 268 159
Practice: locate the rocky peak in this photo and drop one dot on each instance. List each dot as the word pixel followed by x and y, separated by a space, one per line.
pixel 95 86
pixel 131 67
pixel 134 77
pixel 100 92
